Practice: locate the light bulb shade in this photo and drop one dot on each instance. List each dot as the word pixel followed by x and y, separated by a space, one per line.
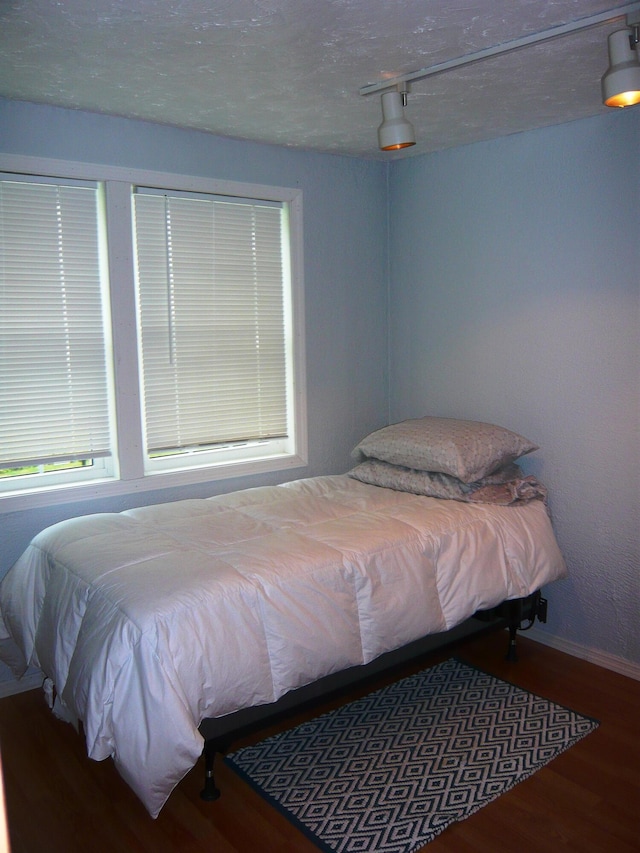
pixel 395 131
pixel 621 82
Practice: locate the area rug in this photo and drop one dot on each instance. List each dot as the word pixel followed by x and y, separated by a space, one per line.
pixel 389 772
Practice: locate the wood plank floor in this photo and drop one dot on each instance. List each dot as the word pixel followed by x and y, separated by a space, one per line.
pixel 587 799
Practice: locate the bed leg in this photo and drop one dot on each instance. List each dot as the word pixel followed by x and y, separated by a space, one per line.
pixel 210 791
pixel 514 618
pixel 512 653
pixel 519 610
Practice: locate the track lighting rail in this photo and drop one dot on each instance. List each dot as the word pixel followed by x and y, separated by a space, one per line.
pixel 505 47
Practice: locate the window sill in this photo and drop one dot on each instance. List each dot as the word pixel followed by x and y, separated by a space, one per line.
pixel 103 489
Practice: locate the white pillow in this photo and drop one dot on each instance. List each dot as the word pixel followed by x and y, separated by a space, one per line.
pixel 467 450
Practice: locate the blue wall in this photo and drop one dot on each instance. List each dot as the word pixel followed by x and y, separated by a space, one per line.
pixel 514 298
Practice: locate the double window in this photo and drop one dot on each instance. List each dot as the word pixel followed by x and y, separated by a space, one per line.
pixel 150 332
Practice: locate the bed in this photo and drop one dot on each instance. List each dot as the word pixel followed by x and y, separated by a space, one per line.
pixel 155 626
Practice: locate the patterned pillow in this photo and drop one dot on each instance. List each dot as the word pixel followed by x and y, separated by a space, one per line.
pixel 467 450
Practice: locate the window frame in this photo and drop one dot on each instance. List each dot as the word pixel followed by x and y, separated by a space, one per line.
pixel 129 475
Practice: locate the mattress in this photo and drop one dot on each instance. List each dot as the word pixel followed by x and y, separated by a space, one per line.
pixel 150 620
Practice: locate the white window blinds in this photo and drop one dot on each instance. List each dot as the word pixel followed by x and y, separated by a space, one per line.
pixel 53 376
pixel 211 292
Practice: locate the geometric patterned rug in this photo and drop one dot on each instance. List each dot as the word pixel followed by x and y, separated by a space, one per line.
pixel 389 772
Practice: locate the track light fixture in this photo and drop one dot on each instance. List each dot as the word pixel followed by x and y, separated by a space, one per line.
pixel 621 82
pixel 396 131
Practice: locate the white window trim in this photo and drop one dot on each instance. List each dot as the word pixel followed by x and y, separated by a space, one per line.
pixel 132 478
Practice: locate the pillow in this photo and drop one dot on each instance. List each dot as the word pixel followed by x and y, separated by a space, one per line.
pixel 430 483
pixel 504 487
pixel 467 450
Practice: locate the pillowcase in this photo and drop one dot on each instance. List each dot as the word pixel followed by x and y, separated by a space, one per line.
pixel 467 450
pixel 504 487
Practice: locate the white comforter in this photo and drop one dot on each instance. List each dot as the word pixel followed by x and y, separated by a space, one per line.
pixel 150 620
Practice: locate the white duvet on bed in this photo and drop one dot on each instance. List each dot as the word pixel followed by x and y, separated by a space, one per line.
pixel 150 620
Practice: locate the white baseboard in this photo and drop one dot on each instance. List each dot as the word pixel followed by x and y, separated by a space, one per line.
pixel 600 658
pixel 21 685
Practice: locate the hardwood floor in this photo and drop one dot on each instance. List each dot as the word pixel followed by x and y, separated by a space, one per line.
pixel 587 799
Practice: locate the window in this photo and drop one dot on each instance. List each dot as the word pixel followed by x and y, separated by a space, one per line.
pixel 207 381
pixel 53 352
pixel 211 289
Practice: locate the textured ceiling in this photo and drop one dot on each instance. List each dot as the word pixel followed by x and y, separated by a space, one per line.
pixel 289 71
